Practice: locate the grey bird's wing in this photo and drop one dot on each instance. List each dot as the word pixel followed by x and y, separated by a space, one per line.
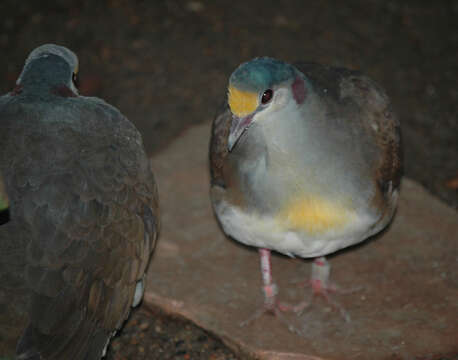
pixel 84 221
pixel 218 145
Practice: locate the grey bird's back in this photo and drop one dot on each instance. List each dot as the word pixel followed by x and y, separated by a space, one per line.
pixel 83 223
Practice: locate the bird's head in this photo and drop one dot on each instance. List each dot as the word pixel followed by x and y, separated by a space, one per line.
pixel 259 87
pixel 52 65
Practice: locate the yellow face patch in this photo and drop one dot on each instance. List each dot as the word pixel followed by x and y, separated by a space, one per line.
pixel 314 215
pixel 241 102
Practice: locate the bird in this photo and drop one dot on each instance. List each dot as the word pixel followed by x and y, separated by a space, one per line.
pixel 305 160
pixel 84 214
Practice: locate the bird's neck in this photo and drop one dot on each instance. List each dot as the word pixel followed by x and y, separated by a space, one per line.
pixel 44 75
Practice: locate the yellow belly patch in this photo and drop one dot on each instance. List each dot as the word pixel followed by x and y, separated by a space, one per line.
pixel 241 102
pixel 314 215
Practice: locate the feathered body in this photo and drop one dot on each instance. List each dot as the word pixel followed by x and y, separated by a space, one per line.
pixel 83 216
pixel 317 168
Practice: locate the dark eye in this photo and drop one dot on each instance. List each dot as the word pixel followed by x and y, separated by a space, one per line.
pixel 267 96
pixel 75 80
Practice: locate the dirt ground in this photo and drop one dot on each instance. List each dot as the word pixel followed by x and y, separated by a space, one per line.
pixel 165 65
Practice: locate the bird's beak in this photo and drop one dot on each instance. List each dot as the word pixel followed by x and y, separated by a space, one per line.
pixel 238 127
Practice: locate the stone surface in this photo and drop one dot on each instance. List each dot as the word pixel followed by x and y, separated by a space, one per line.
pixel 408 307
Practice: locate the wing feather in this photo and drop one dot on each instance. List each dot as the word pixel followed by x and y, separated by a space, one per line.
pixel 85 219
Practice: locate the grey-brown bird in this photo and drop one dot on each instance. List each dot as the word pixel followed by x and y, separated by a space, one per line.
pixel 83 215
pixel 305 160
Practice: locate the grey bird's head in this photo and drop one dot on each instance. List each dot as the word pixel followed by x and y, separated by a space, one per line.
pixel 260 86
pixel 50 65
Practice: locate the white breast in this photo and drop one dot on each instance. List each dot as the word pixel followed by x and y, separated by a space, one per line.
pixel 268 232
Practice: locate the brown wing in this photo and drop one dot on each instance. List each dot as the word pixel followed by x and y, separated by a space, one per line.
pixel 84 218
pixel 218 145
pixel 367 101
pixel 381 124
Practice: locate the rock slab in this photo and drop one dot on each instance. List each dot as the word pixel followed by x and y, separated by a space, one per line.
pixel 407 307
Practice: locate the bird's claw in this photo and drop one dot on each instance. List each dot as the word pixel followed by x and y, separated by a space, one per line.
pixel 272 306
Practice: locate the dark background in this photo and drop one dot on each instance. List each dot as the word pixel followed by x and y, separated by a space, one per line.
pixel 165 65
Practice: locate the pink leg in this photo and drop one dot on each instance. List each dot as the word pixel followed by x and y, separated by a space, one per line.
pixel 321 270
pixel 321 285
pixel 270 289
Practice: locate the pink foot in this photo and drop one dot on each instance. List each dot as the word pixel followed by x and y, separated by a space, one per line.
pixel 320 284
pixel 271 305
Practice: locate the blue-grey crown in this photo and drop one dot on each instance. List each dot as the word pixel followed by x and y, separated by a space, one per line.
pixel 260 74
pixel 49 64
